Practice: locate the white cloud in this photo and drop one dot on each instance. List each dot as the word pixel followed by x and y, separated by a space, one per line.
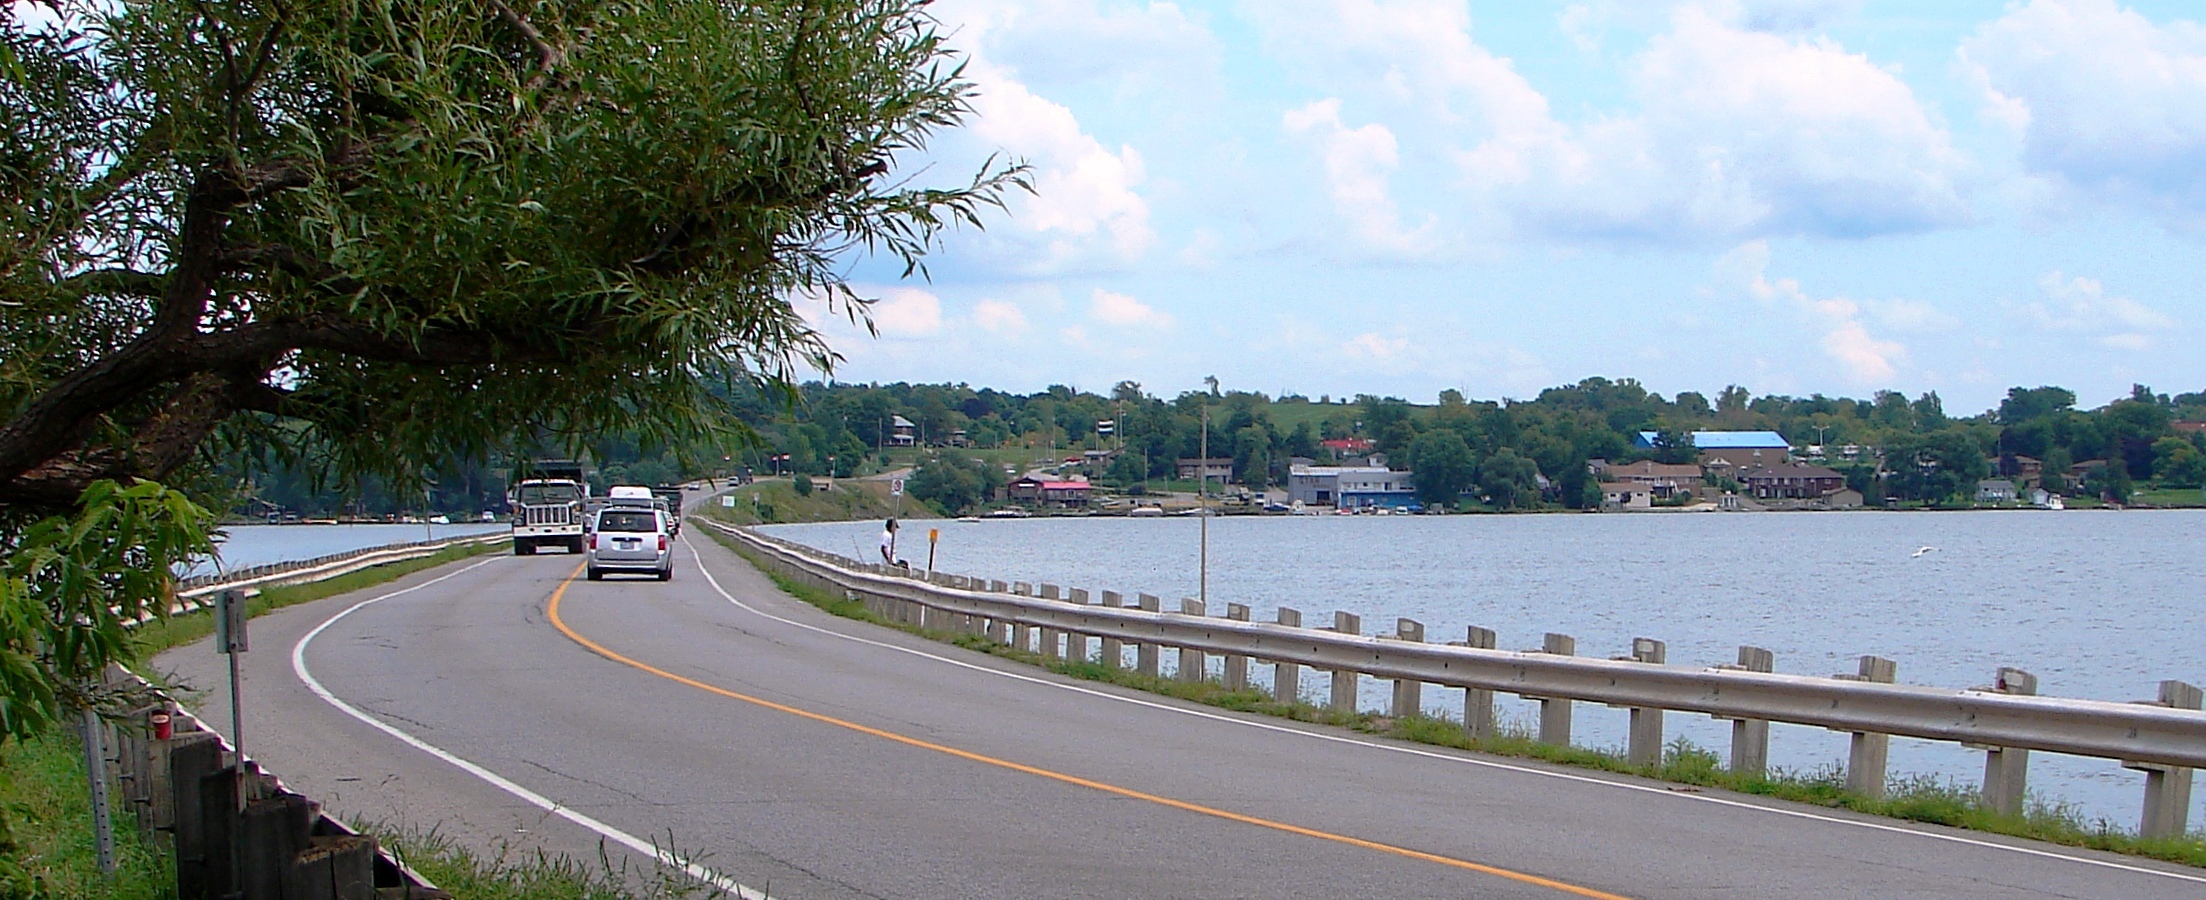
pixel 1372 345
pixel 2106 101
pixel 2081 306
pixel 1911 315
pixel 999 317
pixel 1084 207
pixel 1738 133
pixel 907 312
pixel 1861 356
pixel 1111 308
pixel 1357 162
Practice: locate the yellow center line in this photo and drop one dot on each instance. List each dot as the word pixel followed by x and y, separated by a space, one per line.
pixel 552 612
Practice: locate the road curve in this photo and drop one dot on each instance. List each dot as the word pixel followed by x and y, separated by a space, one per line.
pixel 808 756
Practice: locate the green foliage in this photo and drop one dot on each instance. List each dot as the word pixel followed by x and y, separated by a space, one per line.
pixel 47 849
pixel 1444 467
pixel 69 584
pixel 1508 480
pixel 1940 467
pixel 954 482
pixel 802 484
pixel 2178 462
pixel 2109 482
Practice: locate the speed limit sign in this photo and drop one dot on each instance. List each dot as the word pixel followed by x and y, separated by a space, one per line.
pixel 896 487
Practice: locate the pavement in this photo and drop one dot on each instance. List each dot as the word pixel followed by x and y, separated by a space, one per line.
pixel 806 756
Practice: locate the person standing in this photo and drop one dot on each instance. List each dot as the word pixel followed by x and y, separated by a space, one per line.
pixel 888 543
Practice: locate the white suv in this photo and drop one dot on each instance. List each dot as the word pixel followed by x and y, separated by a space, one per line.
pixel 630 539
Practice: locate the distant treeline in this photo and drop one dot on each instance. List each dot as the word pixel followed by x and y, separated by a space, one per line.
pixel 1909 448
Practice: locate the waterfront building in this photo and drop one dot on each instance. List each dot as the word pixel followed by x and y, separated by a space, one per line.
pixel 1737 450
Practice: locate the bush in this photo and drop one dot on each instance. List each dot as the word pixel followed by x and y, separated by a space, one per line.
pixel 803 484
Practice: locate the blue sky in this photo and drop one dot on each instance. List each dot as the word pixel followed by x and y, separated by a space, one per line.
pixel 1366 196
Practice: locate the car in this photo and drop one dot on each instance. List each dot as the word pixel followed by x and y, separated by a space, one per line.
pixel 629 539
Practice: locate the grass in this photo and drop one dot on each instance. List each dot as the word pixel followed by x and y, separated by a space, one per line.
pixel 777 501
pixel 1910 797
pixel 504 873
pixel 46 840
pixel 2169 497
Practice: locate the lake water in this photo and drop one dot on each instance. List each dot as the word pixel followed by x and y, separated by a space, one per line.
pixel 259 545
pixel 2097 604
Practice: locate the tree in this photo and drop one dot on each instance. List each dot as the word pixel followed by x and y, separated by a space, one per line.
pixel 2178 463
pixel 1509 481
pixel 1673 446
pixel 1935 467
pixel 1443 465
pixel 372 239
pixel 2109 482
pixel 954 483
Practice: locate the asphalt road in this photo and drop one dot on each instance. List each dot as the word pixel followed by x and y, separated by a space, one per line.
pixel 805 756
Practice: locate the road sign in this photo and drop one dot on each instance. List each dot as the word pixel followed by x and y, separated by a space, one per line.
pixel 727 500
pixel 896 487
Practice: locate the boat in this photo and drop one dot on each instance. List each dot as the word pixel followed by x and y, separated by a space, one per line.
pixel 968 518
pixel 1011 512
pixel 1145 512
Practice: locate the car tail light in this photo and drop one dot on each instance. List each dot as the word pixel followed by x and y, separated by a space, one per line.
pixel 593 542
pixel 662 543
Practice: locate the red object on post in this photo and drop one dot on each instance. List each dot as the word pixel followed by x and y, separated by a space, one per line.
pixel 164 726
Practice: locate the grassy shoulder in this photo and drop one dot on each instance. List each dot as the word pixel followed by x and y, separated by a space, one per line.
pixel 1914 798
pixel 46 839
pixel 775 501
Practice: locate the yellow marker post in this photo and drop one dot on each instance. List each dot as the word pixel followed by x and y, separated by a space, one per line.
pixel 933 535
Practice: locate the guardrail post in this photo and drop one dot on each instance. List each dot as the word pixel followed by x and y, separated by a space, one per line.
pixel 1113 653
pixel 1145 656
pixel 1409 694
pixel 1645 747
pixel 1286 676
pixel 2167 788
pixel 1076 644
pixel 1750 737
pixel 1021 633
pixel 1865 756
pixel 1345 680
pixel 1478 703
pixel 998 629
pixel 1236 669
pixel 2007 769
pixel 1555 711
pixel 1048 636
pixel 1192 665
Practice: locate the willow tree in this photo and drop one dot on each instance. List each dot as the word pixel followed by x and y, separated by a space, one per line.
pixel 372 234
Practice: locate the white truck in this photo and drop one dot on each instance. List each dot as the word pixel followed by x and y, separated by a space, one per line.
pixel 547 502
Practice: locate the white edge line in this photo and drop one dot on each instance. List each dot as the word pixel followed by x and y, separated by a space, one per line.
pixel 1413 751
pixel 664 856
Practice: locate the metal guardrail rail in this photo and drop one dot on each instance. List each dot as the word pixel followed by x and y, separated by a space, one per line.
pixel 2156 736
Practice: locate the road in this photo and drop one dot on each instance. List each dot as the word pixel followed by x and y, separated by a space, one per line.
pixel 804 756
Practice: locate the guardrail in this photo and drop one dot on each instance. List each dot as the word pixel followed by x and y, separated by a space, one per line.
pixel 324 567
pixel 2165 737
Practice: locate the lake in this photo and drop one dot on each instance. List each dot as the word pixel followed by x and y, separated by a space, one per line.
pixel 260 545
pixel 2097 604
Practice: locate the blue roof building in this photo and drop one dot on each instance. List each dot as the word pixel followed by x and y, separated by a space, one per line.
pixel 1724 440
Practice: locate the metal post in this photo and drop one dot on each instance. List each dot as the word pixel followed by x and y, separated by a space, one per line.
pixel 1192 665
pixel 1113 654
pixel 1555 711
pixel 1645 746
pixel 2167 788
pixel 1750 737
pixel 1478 703
pixel 2007 769
pixel 1286 676
pixel 95 770
pixel 1409 694
pixel 1236 669
pixel 1865 758
pixel 1345 680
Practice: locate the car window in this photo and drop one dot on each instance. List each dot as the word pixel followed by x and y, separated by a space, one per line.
pixel 628 521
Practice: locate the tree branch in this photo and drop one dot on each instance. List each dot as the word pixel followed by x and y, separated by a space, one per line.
pixel 548 57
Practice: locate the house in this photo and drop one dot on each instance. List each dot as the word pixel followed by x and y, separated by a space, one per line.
pixel 1739 449
pixel 1665 480
pixel 1843 498
pixel 1350 487
pixel 1216 468
pixel 1343 447
pixel 902 433
pixel 1995 490
pixel 1626 495
pixel 1045 492
pixel 1791 482
pixel 2027 472
pixel 960 438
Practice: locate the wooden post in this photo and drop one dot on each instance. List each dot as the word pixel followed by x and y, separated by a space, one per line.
pixel 1236 669
pixel 1645 745
pixel 1478 703
pixel 1409 694
pixel 1022 634
pixel 1866 756
pixel 1192 665
pixel 217 816
pixel 334 867
pixel 1555 711
pixel 1750 737
pixel 1048 636
pixel 1076 644
pixel 2168 788
pixel 1112 654
pixel 1345 680
pixel 193 757
pixel 998 629
pixel 2007 769
pixel 1286 676
pixel 271 833
pixel 1145 655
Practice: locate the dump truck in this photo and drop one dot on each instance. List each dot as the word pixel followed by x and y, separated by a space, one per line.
pixel 547 499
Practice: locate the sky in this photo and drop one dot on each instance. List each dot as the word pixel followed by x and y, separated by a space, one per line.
pixel 1397 197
